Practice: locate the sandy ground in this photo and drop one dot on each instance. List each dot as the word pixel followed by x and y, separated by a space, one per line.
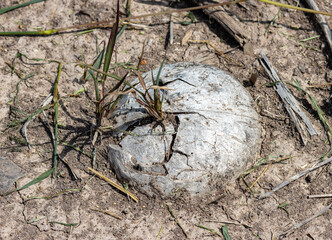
pixel 246 216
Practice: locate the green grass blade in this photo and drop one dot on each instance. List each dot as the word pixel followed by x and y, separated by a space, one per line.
pixel 58 193
pixel 112 107
pixel 128 13
pixel 156 98
pixel 36 180
pixel 97 64
pixel 21 55
pixel 111 41
pixel 77 149
pixel 79 91
pixel 95 80
pixel 209 229
pixel 65 224
pixel 30 33
pixel 320 112
pixel 7 9
pixel 159 72
pixel 15 123
pixel 56 102
pixel 225 232
pixel 296 8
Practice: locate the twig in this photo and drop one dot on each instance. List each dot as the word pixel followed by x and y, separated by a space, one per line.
pixel 119 187
pixel 232 26
pixel 295 177
pixel 298 225
pixel 320 85
pixel 323 24
pixel 108 212
pixel 290 103
pixel 321 196
pixel 177 221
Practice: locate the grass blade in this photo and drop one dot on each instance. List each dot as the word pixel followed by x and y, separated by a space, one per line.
pixel 7 9
pixel 116 87
pixel 56 111
pixel 225 232
pixel 15 123
pixel 97 64
pixel 77 149
pixel 296 8
pixel 157 101
pixel 64 224
pixel 176 220
pixel 36 180
pixel 57 194
pixel 159 72
pixel 30 33
pixel 111 41
pixel 320 112
pixel 209 229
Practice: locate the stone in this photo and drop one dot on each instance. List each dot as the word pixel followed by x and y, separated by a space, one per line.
pixel 9 174
pixel 211 136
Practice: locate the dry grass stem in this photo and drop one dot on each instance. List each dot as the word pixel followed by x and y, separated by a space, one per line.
pixel 117 186
pixel 321 196
pixel 295 177
pixel 107 212
pixel 298 225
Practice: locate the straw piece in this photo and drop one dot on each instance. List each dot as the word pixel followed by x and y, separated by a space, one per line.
pixel 119 187
pixel 109 213
pixel 321 196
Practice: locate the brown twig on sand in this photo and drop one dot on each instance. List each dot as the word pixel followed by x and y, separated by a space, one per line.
pixel 108 213
pixel 119 187
pixel 232 26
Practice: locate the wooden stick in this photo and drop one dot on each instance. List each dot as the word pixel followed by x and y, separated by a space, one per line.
pixel 231 25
